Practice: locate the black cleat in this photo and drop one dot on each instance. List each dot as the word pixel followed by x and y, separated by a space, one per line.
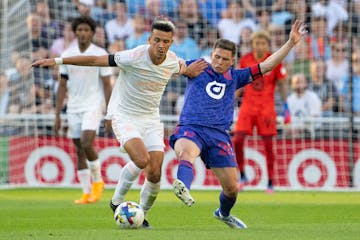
pixel 113 206
pixel 146 224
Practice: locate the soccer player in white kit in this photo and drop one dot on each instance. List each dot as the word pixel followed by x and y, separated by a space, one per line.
pixel 134 106
pixel 85 107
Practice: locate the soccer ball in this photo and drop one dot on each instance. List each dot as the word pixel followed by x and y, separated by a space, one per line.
pixel 129 215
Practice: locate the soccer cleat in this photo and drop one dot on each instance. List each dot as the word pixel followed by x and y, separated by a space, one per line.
pixel 146 224
pixel 183 193
pixel 269 190
pixel 113 206
pixel 84 199
pixel 97 189
pixel 231 221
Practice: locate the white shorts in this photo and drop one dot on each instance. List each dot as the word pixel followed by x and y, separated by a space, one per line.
pixel 150 131
pixel 79 122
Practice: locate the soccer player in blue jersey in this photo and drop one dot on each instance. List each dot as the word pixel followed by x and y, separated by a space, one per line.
pixel 207 115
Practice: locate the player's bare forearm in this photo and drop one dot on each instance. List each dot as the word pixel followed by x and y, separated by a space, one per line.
pixel 101 61
pixel 297 32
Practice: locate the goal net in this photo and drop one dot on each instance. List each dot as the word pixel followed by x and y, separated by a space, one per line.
pixel 314 150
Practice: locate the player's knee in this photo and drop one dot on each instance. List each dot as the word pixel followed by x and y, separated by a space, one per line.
pixel 154 176
pixel 86 143
pixel 141 160
pixel 231 190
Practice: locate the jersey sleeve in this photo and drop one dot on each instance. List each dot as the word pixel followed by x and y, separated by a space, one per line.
pixel 127 57
pixel 242 77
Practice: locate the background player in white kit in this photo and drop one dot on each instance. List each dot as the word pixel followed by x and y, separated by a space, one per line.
pixel 134 106
pixel 89 89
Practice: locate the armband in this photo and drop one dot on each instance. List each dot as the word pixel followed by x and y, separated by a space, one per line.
pixel 111 60
pixel 58 61
pixel 255 72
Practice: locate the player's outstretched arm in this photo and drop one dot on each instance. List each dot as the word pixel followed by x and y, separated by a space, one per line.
pixel 298 30
pixel 100 61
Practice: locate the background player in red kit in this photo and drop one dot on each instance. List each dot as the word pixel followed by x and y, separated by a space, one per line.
pixel 258 106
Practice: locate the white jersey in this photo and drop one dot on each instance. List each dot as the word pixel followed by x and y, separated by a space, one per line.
pixel 308 105
pixel 140 85
pixel 85 86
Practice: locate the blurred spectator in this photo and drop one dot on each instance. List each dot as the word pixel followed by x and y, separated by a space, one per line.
pixel 4 94
pixel 188 11
pixel 84 7
pixel 340 32
pixel 212 35
pixel 184 46
pixel 38 43
pixel 277 36
pixel 298 9
pixel 303 103
pixel 332 11
pixel 338 65
pixel 253 6
pixel 354 9
pixel 51 29
pixel 101 12
pixel 140 35
pixel 263 17
pixel 298 59
pixel 121 26
pixel 355 92
pixel 154 8
pixel 60 44
pixel 213 10
pixel 99 37
pixel 323 88
pixel 22 88
pixel 230 27
pixel 318 40
pixel 244 45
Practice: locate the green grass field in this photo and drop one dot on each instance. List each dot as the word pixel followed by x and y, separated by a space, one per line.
pixel 50 214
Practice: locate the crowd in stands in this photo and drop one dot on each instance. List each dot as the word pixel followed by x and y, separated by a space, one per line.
pixel 320 63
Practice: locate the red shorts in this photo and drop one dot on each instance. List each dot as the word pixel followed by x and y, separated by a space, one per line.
pixel 265 123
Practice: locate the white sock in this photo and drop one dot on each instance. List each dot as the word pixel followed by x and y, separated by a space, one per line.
pixel 94 167
pixel 148 194
pixel 85 180
pixel 127 177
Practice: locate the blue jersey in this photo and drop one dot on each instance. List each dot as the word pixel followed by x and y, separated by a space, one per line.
pixel 209 97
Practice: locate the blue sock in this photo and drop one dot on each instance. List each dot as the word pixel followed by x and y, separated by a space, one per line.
pixel 226 204
pixel 185 173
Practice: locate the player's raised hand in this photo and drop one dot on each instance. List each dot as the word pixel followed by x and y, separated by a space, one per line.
pixel 196 68
pixel 48 62
pixel 298 30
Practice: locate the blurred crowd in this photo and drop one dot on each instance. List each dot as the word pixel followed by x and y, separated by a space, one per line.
pixel 319 64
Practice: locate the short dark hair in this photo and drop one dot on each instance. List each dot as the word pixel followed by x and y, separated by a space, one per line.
pixel 225 44
pixel 83 19
pixel 162 23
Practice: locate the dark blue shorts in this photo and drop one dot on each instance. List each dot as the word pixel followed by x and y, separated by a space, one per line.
pixel 215 145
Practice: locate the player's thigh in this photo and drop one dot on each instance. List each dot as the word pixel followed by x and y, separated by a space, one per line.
pixel 91 120
pixel 153 135
pixel 228 179
pixel 126 130
pixel 74 124
pixel 244 124
pixel 266 124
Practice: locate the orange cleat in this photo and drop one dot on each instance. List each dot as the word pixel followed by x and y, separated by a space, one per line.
pixel 97 189
pixel 83 200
